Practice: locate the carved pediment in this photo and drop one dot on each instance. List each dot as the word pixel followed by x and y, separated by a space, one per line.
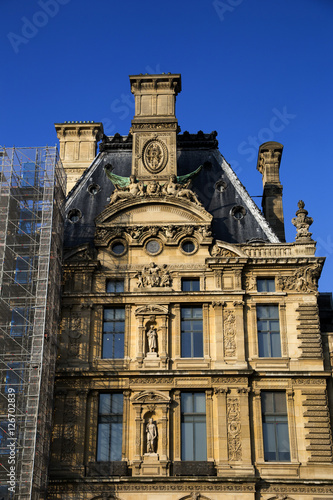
pixel 151 309
pixel 168 210
pixel 150 397
pixel 79 254
pixel 221 249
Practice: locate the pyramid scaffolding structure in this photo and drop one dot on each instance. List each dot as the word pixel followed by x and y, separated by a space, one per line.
pixel 32 194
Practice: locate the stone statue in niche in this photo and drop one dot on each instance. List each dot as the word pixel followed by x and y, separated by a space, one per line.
pixel 151 431
pixel 152 339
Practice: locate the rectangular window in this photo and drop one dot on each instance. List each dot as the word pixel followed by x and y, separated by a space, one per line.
pixel 268 332
pixel 265 284
pixel 275 426
pixel 193 421
pixel 191 332
pixel 190 285
pixel 115 286
pixel 110 427
pixel 113 333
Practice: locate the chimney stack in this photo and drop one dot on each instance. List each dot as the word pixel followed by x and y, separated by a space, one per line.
pixel 269 158
pixel 78 146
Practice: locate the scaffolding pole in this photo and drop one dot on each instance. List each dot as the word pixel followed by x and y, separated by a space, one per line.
pixel 32 193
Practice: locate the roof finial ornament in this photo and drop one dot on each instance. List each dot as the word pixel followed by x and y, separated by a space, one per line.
pixel 302 223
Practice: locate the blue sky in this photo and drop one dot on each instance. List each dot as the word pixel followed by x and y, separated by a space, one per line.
pixel 243 63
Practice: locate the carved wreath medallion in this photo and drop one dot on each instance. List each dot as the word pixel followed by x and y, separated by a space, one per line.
pixel 155 155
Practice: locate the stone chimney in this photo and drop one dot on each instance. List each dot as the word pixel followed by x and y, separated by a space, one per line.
pixel 78 146
pixel 154 126
pixel 268 164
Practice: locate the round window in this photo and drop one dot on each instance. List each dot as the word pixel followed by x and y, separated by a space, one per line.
pixel 154 247
pixel 118 248
pixel 74 215
pixel 238 212
pixel 221 186
pixel 93 189
pixel 188 246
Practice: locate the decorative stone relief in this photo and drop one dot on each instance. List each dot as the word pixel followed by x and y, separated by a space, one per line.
pixel 229 334
pixel 218 251
pixel 155 155
pixel 302 223
pixel 69 422
pixel 250 283
pixel 153 276
pixel 132 188
pixel 303 280
pixel 234 429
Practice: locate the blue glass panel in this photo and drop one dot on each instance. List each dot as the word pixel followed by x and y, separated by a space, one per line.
pixel 197 345
pixel 199 402
pixel 200 441
pixel 187 441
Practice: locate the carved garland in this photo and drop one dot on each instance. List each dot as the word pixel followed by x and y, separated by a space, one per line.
pixel 234 429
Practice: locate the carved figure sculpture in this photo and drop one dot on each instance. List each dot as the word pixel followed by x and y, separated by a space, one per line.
pixel 153 276
pixel 122 193
pixel 151 432
pixel 171 187
pixel 152 339
pixel 153 188
pixel 185 192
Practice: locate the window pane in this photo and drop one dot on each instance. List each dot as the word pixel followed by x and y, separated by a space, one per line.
pixel 191 285
pixel 199 402
pixel 115 286
pixel 275 426
pixel 118 346
pixel 187 441
pixel 200 445
pixel 186 345
pixel 109 439
pixel 275 345
pixel 103 443
pixel 265 285
pixel 268 326
pixel 283 441
pixel 197 345
pixel 191 332
pixel 104 404
pixel 113 333
pixel 193 413
pixel 187 402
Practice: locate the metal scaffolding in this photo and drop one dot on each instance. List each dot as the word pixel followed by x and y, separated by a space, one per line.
pixel 32 193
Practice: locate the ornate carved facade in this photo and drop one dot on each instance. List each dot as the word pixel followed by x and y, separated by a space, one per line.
pixel 190 362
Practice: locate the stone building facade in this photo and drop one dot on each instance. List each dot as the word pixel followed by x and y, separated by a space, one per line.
pixel 190 361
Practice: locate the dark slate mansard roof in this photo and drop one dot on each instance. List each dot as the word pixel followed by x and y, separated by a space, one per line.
pixel 193 150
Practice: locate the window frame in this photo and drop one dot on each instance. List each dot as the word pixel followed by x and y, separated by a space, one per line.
pixel 196 341
pixel 265 281
pixel 115 281
pixel 113 333
pixel 191 281
pixel 269 345
pixel 193 418
pixel 113 418
pixel 277 419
